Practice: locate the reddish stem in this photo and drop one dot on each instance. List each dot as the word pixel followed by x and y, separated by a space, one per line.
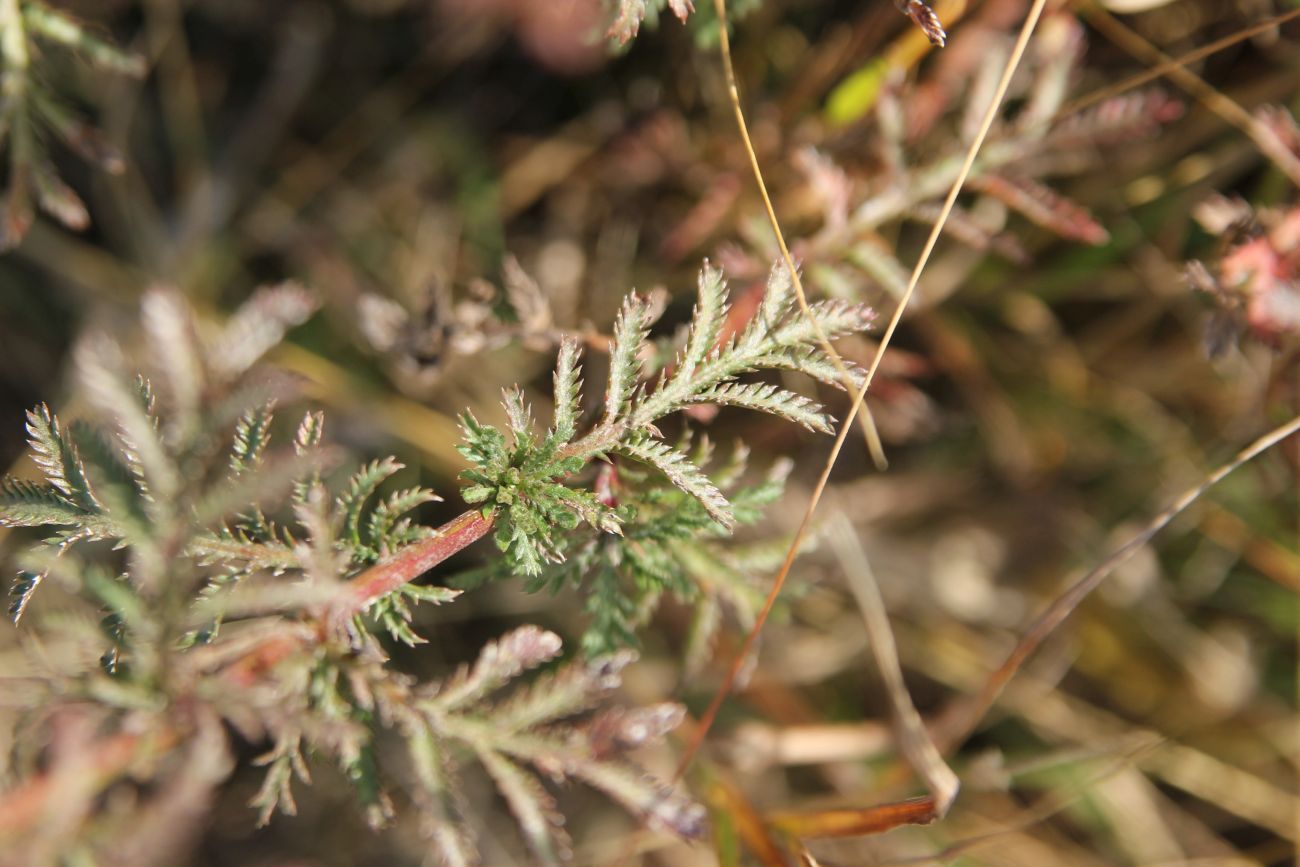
pixel 410 563
pixel 24 805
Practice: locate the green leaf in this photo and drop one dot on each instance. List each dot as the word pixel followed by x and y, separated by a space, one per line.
pixel 568 390
pixel 613 609
pixel 252 434
pixel 306 439
pixel 483 445
pixel 27 504
pixel 765 397
pixel 520 418
pixel 234 548
pixel 587 507
pixel 706 322
pixel 129 403
pixel 569 691
pixel 533 807
pixel 21 592
pixel 57 456
pixel 778 297
pixel 430 593
pixel 630 331
pixel 310 431
pixel 383 523
pixel 350 504
pixel 272 483
pixel 498 663
pixel 117 487
pixel 679 470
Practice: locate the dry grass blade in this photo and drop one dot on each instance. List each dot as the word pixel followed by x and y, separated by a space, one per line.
pixel 1167 67
pixel 728 798
pixel 913 738
pixel 870 435
pixel 1267 142
pixel 706 721
pixel 1044 808
pixel 855 821
pixel 962 718
pixel 910 731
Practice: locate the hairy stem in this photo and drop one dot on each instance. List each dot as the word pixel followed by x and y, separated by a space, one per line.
pixel 410 563
pixel 28 804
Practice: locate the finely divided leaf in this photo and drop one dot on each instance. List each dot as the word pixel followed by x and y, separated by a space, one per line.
pixel 498 663
pixel 682 473
pixel 533 807
pixel 811 363
pixel 836 319
pixel 1045 207
pixel 706 321
pixel 630 331
pixel 27 504
pixel 925 18
pixel 520 417
pixel 56 198
pixel 659 807
pixel 54 26
pixel 21 592
pixel 309 432
pixel 568 390
pixel 765 397
pixel 169 326
pixel 631 13
pixel 439 798
pixel 128 403
pixel 348 506
pixel 384 523
pixel 258 325
pixel 57 457
pixel 572 690
pixel 252 434
pixel 777 298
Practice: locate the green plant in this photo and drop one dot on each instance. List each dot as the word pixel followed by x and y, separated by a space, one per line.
pixel 30 111
pixel 218 610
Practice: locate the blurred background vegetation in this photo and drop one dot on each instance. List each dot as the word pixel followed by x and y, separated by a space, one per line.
pixel 413 162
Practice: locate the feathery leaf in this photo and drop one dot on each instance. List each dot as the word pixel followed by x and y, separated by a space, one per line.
pixel 498 662
pixel 252 434
pixel 706 321
pixel 682 473
pixel 630 331
pixel 765 397
pixel 568 390
pixel 350 504
pixel 57 457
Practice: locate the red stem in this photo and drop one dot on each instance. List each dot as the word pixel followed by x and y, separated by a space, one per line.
pixel 26 804
pixel 410 563
pixel 23 805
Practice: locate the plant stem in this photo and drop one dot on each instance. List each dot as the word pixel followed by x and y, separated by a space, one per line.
pixel 33 801
pixel 410 563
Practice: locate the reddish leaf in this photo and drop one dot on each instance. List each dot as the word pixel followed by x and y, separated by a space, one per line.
pixel 923 16
pixel 1045 207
